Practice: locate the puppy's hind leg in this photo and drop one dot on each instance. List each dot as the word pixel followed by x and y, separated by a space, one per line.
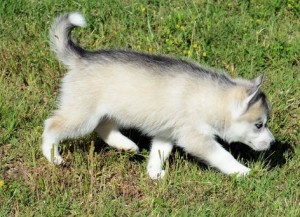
pixel 50 143
pixel 64 125
pixel 108 130
pixel 160 151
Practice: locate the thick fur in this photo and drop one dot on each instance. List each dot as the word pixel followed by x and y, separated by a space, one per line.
pixel 174 101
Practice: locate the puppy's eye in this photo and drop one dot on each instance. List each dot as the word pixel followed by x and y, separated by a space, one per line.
pixel 259 125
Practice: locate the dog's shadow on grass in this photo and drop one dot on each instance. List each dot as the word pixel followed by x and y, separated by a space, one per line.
pixel 276 156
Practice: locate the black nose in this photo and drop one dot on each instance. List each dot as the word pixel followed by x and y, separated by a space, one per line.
pixel 272 142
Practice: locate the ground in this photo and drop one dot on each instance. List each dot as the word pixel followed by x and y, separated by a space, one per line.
pixel 242 38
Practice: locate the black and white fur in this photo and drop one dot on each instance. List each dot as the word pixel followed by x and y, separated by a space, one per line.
pixel 171 100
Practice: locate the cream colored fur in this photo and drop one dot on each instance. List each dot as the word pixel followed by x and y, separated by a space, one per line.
pixel 172 106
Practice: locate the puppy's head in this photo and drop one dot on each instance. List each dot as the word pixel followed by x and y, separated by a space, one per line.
pixel 250 112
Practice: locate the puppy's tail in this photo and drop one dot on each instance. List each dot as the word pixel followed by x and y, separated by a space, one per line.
pixel 60 38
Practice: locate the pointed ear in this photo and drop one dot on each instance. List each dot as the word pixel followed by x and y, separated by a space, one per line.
pixel 257 82
pixel 254 89
pixel 252 95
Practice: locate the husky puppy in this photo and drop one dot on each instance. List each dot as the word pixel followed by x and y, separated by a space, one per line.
pixel 171 100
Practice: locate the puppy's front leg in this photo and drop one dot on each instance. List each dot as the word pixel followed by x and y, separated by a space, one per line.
pixel 159 153
pixel 216 156
pixel 221 159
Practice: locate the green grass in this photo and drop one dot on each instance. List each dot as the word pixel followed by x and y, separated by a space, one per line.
pixel 245 39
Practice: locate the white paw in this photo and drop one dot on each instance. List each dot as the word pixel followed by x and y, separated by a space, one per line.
pixel 53 157
pixel 58 160
pixel 117 140
pixel 133 147
pixel 241 172
pixel 156 174
pixel 127 145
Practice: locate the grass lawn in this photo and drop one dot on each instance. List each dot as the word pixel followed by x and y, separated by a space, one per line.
pixel 245 38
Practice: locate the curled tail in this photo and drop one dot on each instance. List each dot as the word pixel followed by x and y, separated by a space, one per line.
pixel 60 37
